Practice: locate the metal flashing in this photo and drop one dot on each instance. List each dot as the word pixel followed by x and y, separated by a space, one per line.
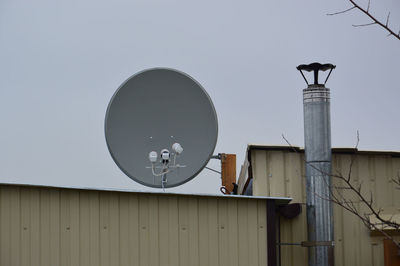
pixel 278 200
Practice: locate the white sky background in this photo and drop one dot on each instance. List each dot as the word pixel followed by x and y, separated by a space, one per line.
pixel 61 61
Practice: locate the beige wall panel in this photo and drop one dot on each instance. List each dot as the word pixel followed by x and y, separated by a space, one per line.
pixel 213 231
pixel 173 224
pixel 65 236
pixel 55 226
pixel 5 225
pixel 15 220
pixel 338 216
pixel 104 201
pixel 303 172
pixel 377 253
pixel 276 173
pixel 338 234
pixel 243 233
pixel 390 175
pixel 260 178
pixel 84 229
pixel 50 226
pixel 74 230
pixel 35 227
pixel 45 227
pixel 294 165
pixel 134 230
pixel 114 228
pixel 194 232
pixel 364 246
pixel 252 219
pixel 223 232
pixel 299 233
pixel 350 239
pixel 396 175
pixel 293 176
pixel 124 248
pixel 366 177
pixel 286 237
pixel 364 243
pixel 286 168
pixel 153 230
pixel 164 232
pixel 233 228
pixel 183 231
pixel 262 232
pixel 299 225
pixel 203 232
pixel 94 223
pixel 26 227
pixel 354 246
pixel 144 241
pixel 350 234
pixel 383 190
pixel 372 176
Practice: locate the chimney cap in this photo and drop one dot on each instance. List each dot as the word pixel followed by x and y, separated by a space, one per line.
pixel 315 67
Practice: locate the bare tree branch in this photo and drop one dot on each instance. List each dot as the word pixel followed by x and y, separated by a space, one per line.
pixel 337 196
pixel 374 20
pixel 387 20
pixel 290 145
pixel 366 12
pixel 353 158
pixel 397 181
pixel 341 12
pixel 362 25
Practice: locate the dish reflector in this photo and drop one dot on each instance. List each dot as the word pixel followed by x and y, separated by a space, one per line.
pixel 148 114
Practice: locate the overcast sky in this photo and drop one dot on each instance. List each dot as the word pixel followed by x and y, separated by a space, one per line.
pixel 61 61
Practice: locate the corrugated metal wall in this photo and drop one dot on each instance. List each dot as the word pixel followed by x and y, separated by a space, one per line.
pixel 281 173
pixel 50 226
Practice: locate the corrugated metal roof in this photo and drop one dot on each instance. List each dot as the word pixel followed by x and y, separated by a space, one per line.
pixel 334 150
pixel 51 226
pixel 279 200
pixel 277 171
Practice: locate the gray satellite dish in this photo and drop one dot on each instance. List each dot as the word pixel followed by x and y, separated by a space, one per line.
pixel 152 111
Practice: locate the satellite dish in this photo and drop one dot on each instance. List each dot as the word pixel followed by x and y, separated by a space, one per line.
pixel 161 127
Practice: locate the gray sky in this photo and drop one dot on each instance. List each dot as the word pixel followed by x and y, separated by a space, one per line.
pixel 61 61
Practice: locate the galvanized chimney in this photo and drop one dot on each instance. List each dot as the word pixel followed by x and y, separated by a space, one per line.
pixel 317 138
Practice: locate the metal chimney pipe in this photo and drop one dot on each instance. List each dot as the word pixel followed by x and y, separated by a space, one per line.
pixel 317 138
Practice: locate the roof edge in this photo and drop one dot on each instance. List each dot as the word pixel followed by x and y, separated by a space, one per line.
pixel 280 200
pixel 334 149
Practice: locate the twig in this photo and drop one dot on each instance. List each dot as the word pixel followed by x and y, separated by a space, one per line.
pixel 362 25
pixel 336 196
pixel 387 20
pixel 375 20
pixel 366 12
pixel 290 145
pixel 397 181
pixel 353 158
pixel 341 12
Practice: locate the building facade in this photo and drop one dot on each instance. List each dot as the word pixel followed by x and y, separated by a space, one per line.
pixel 65 226
pixel 279 171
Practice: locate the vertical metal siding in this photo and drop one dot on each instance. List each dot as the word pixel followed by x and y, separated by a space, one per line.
pixel 281 173
pixel 50 226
